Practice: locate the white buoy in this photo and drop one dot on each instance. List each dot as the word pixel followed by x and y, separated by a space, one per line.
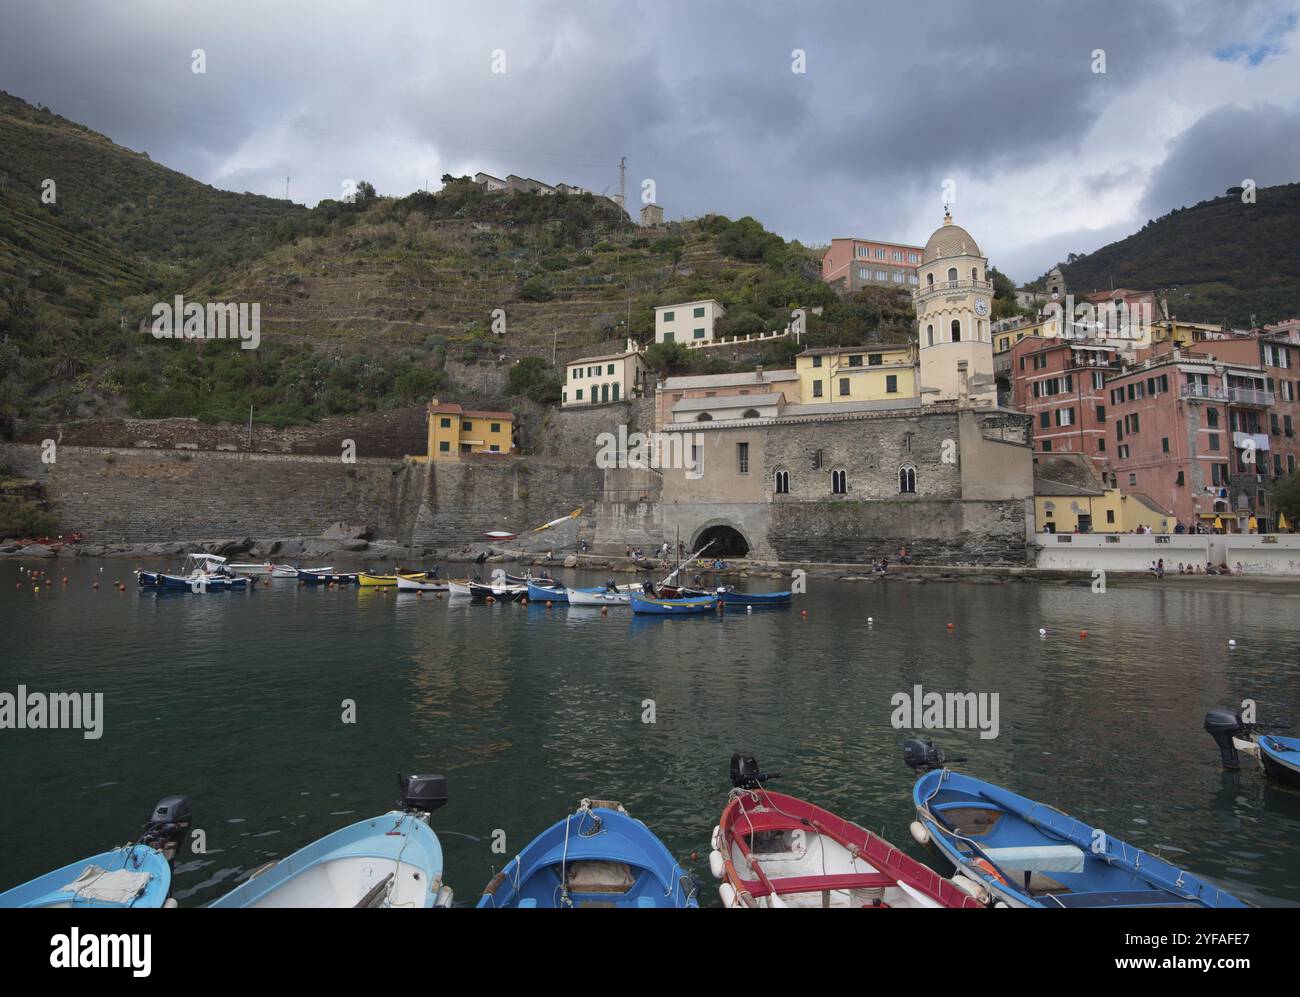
pixel 728 894
pixel 919 834
pixel 1232 643
pixel 715 864
pixel 970 888
pixel 749 609
pixel 716 839
pixel 870 620
pixel 1042 632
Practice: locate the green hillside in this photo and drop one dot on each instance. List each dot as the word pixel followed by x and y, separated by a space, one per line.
pixel 1217 261
pixel 362 304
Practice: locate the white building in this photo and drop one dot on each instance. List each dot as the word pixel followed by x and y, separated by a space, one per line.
pixel 614 377
pixel 689 322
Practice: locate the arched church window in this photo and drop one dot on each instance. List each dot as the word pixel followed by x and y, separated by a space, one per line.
pixel 704 417
pixel 782 482
pixel 929 279
pixel 956 330
pixel 952 275
pixel 929 335
pixel 750 413
pixel 907 479
pixel 840 481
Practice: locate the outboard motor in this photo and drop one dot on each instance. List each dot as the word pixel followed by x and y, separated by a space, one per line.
pixel 422 793
pixel 745 773
pixel 611 585
pixel 1223 726
pixel 169 822
pixel 920 754
pixel 648 588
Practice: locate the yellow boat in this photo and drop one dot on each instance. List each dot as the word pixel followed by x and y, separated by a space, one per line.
pixel 366 579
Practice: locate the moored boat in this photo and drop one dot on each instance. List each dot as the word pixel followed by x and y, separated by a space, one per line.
pixel 600 856
pixel 673 607
pixel 367 580
pixel 290 571
pixel 393 860
pixel 500 593
pixel 135 875
pixel 328 577
pixel 730 597
pixel 260 570
pixel 605 596
pixel 771 850
pixel 1279 756
pixel 499 535
pixel 1022 853
pixel 420 584
pixel 199 573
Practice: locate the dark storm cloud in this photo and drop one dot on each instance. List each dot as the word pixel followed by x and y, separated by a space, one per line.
pixel 1223 149
pixel 700 97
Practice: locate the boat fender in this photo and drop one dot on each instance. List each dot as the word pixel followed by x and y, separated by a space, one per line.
pixel 919 834
pixel 728 894
pixel 716 865
pixel 716 840
pixel 971 888
pixel 774 900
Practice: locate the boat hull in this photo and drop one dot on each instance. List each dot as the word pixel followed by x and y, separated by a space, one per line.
pixel 420 585
pixel 673 607
pixel 731 598
pixel 208 583
pixel 1280 757
pixel 345 868
pixel 600 597
pixel 597 857
pixel 327 578
pixel 1028 854
pixel 51 889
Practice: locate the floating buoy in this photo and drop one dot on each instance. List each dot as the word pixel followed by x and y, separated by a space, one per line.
pixel 1083 635
pixel 870 620
pixel 95 586
pixel 65 579
pixel 803 613
pixel 548 603
pixel 919 834
pixel 491 598
pixel 949 626
pixel 1232 643
pixel 716 865
pixel 604 610
pixel 1042 632
pixel 695 856
pixel 437 595
pixel 716 838
pixel 419 594
pixel 748 609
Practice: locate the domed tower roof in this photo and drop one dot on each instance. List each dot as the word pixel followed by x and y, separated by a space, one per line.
pixel 949 240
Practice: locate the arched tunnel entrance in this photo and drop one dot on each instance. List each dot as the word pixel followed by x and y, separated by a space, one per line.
pixel 726 541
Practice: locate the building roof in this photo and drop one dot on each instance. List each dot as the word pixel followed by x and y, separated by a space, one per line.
pixel 608 356
pixel 728 380
pixel 727 401
pixel 1061 488
pixel 839 408
pixel 949 240
pixel 874 348
pixel 686 304
pixel 451 408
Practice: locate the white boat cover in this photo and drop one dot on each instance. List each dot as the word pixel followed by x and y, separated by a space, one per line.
pixel 117 887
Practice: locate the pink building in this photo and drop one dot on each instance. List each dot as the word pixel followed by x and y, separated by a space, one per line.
pixel 852 264
pixel 1189 434
pixel 1062 384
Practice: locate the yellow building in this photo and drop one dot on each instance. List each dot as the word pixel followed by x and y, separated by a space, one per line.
pixel 455 432
pixel 1060 509
pixel 856 373
pixel 1007 337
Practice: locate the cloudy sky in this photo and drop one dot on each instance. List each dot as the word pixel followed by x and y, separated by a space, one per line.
pixel 1047 156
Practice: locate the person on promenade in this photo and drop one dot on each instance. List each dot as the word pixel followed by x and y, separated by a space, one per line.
pixel 1160 569
pixel 904 557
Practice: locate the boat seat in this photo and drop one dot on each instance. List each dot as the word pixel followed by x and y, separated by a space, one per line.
pixel 599 876
pixel 821 884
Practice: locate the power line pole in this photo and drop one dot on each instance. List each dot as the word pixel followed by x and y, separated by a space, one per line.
pixel 622 183
pixel 286 187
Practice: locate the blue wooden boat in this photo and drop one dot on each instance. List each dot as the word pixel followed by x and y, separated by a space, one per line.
pixel 673 607
pixel 730 597
pixel 599 856
pixel 135 875
pixel 544 593
pixel 393 860
pixel 325 578
pixel 1028 854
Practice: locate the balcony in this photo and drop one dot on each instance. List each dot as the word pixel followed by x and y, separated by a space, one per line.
pixel 1201 391
pixel 952 287
pixel 1251 397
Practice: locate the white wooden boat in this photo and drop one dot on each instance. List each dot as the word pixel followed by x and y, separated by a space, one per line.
pixel 250 569
pixel 459 589
pixel 420 585
pixel 289 571
pixel 605 597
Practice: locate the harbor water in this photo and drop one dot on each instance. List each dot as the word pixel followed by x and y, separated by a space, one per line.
pixel 239 700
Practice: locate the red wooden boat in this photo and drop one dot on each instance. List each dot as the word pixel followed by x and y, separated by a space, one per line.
pixel 773 850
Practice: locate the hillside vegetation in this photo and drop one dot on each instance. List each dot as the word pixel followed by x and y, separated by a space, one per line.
pixel 1218 261
pixel 362 304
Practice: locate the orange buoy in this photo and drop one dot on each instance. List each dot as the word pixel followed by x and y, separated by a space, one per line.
pixel 949 626
pixel 95 586
pixel 604 610
pixel 803 613
pixel 491 598
pixel 1083 634
pixel 548 604
pixel 65 579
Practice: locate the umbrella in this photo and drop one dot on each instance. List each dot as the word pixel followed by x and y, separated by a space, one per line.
pixel 1218 523
pixel 1281 521
pixel 1252 524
